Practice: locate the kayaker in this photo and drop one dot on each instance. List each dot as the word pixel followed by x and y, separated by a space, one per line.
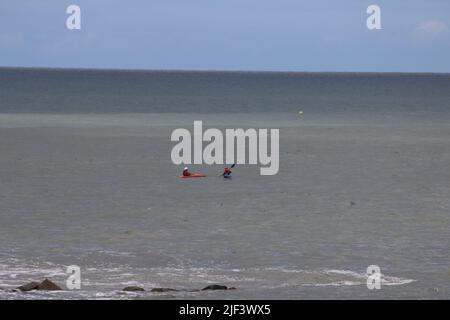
pixel 186 172
pixel 227 172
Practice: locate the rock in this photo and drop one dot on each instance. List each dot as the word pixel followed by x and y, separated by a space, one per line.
pixel 215 287
pixel 163 290
pixel 29 286
pixel 44 285
pixel 48 286
pixel 133 289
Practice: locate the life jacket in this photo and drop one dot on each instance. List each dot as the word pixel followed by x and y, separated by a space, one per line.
pixel 186 173
pixel 226 171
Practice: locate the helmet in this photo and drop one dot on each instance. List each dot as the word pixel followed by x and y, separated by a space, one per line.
pixel 185 168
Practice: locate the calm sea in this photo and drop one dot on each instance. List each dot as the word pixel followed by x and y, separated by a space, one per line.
pixel 86 179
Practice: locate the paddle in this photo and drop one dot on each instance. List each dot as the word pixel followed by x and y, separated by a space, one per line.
pixel 232 166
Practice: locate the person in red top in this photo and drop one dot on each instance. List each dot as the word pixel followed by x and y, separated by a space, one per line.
pixel 186 172
pixel 227 172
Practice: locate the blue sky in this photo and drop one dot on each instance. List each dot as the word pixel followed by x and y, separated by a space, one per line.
pixel 284 35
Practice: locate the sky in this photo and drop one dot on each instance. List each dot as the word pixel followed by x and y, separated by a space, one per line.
pixel 254 35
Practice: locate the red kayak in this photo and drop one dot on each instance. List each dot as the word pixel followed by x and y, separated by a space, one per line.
pixel 195 175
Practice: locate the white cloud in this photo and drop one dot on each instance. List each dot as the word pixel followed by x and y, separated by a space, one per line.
pixel 429 30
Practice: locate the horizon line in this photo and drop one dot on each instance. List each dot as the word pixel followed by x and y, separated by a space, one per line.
pixel 217 70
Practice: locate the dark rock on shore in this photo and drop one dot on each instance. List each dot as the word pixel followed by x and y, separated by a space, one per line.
pixel 133 289
pixel 159 290
pixel 215 287
pixel 29 286
pixel 46 285
pixel 8 290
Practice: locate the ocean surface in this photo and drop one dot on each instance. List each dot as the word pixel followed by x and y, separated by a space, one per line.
pixel 86 179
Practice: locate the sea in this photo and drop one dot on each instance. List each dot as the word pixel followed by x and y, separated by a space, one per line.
pixel 87 180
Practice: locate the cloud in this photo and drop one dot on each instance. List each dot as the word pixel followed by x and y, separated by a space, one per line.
pixel 430 30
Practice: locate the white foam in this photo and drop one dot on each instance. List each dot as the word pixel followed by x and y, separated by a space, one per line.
pixel 103 282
